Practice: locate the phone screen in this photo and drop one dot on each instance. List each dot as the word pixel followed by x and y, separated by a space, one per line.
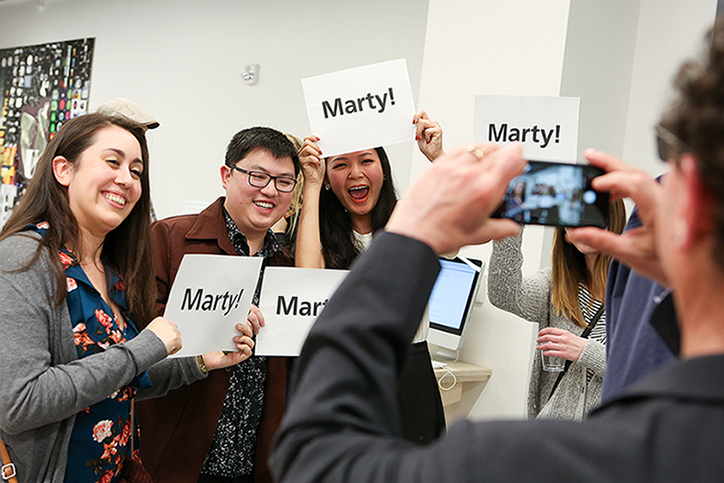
pixel 555 194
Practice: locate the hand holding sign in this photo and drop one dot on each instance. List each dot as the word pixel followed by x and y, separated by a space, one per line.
pixel 244 344
pixel 255 319
pixel 168 332
pixel 313 166
pixel 210 295
pixel 428 134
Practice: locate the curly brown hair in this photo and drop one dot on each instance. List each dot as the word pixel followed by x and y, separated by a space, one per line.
pixel 696 118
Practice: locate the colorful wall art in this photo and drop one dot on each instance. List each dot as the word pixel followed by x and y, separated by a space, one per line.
pixel 41 87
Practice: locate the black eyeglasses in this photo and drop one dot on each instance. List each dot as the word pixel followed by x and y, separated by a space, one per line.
pixel 259 179
pixel 667 144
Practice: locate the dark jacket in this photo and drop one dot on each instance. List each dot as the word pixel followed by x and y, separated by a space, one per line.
pixel 338 426
pixel 177 430
pixel 633 348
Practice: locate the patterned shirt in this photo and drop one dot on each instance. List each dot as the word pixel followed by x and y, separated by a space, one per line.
pixel 234 445
pixel 102 432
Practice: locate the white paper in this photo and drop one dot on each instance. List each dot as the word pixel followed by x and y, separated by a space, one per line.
pixel 210 295
pixel 547 127
pixel 291 300
pixel 361 108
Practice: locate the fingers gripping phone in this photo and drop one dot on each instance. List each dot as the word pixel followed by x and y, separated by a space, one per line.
pixel 555 194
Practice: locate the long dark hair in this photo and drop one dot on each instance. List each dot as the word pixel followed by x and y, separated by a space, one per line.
pixel 335 224
pixel 127 249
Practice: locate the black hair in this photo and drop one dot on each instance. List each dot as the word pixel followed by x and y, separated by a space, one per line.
pixel 258 137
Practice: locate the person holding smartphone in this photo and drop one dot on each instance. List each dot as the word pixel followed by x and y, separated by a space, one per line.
pixel 563 301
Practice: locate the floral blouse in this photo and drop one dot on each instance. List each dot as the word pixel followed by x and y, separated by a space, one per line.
pixel 101 433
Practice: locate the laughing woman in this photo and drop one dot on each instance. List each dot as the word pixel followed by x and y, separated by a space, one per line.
pixel 346 200
pixel 77 290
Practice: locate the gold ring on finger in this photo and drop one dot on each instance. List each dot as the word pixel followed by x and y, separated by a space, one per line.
pixel 477 152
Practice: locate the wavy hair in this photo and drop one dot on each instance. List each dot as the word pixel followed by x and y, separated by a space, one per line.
pixel 696 118
pixel 127 249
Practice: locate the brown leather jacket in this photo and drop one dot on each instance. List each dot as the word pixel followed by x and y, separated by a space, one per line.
pixel 177 429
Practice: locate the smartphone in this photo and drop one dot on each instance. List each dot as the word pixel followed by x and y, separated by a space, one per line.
pixel 555 194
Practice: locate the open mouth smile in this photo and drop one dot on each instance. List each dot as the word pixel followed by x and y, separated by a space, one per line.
pixel 359 193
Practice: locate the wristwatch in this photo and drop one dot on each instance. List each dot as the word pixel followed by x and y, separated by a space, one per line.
pixel 202 365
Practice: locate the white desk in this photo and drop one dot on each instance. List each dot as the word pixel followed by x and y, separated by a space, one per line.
pixel 451 388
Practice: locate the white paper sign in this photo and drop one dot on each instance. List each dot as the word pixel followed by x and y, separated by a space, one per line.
pixel 361 108
pixel 210 295
pixel 291 300
pixel 547 127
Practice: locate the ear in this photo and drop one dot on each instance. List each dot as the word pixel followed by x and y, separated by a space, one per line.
pixel 62 170
pixel 225 175
pixel 697 203
pixel 326 171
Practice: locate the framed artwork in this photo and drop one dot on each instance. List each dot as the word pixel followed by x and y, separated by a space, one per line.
pixel 41 87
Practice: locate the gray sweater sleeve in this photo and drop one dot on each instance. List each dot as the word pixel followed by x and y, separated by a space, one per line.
pixel 170 374
pixel 594 357
pixel 41 378
pixel 508 290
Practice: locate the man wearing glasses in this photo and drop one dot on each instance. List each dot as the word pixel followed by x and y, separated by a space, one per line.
pixel 219 429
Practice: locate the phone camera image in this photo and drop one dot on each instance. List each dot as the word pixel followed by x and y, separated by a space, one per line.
pixel 555 194
pixel 589 197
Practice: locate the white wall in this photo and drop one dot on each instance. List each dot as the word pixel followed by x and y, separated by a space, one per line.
pixel 599 61
pixel 182 59
pixel 472 48
pixel 669 32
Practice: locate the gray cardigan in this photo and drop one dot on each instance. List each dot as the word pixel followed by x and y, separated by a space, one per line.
pixel 43 382
pixel 530 298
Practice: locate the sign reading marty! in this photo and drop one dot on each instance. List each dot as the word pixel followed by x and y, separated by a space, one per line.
pixel 361 108
pixel 547 127
pixel 212 293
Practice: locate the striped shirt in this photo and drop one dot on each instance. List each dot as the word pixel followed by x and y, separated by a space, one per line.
pixel 589 307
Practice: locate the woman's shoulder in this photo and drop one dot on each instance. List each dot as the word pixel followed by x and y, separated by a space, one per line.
pixel 17 250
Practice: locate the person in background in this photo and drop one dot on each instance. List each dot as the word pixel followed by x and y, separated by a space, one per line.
pixel 563 301
pixel 120 107
pixel 78 340
pixel 219 430
pixel 338 222
pixel 667 427
pixel 286 228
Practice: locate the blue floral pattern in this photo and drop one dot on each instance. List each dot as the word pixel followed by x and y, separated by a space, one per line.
pixel 102 432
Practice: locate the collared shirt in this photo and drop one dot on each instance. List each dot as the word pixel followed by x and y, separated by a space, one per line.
pixel 232 450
